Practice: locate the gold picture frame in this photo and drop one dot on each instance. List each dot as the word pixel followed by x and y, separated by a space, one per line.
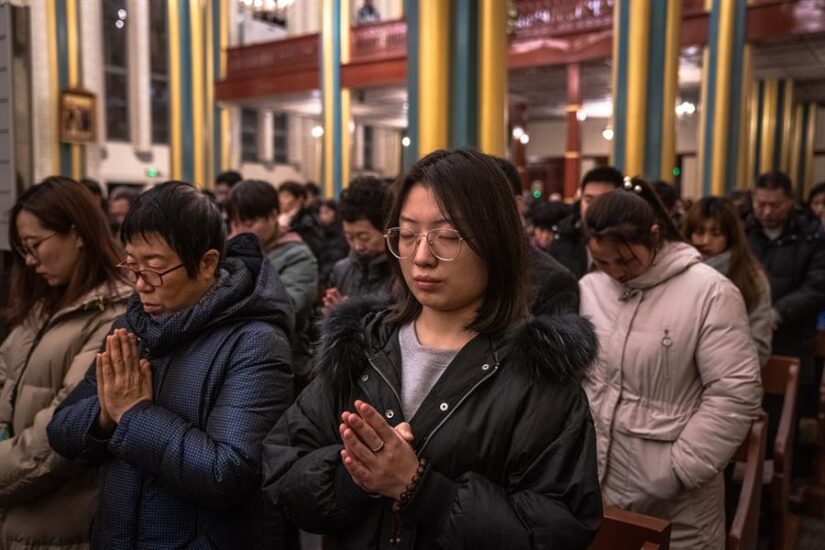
pixel 78 116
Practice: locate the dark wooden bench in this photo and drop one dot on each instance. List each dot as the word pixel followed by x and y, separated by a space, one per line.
pixel 744 529
pixel 623 530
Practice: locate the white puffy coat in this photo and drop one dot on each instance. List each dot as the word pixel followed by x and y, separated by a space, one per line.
pixel 674 391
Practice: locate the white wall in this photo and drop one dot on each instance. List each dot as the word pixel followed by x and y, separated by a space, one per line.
pixel 121 164
pixel 273 173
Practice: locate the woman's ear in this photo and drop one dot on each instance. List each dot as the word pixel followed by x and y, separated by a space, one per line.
pixel 209 264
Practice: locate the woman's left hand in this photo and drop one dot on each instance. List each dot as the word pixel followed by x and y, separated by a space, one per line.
pixel 378 457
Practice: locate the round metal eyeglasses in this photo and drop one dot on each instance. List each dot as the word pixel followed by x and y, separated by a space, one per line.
pixel 444 243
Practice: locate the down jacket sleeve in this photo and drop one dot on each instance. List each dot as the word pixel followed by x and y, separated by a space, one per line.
pixel 809 298
pixel 303 473
pixel 29 467
pixel 550 498
pixel 729 369
pixel 214 466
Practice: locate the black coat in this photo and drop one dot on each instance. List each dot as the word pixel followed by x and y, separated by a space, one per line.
pixel 506 429
pixel 568 245
pixel 554 289
pixel 795 263
pixel 333 248
pixel 357 276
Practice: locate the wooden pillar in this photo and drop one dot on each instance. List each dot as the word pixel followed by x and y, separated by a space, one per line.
pixel 572 154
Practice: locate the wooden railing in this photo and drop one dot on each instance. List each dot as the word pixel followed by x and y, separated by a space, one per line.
pixel 378 41
pixel 537 19
pixel 286 55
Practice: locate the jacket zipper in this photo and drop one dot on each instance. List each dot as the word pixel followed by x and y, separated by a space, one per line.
pixel 381 374
pixel 460 401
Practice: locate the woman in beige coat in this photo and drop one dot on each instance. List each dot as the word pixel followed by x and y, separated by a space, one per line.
pixel 677 383
pixel 65 294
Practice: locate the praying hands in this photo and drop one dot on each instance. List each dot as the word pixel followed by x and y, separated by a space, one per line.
pixel 123 378
pixel 379 458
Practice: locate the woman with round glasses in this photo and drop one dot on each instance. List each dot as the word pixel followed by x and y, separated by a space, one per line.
pixel 448 419
pixel 65 294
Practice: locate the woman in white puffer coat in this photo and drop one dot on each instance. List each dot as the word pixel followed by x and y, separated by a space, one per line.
pixel 677 383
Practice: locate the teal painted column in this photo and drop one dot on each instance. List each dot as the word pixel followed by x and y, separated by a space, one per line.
pixel 410 155
pixel 464 63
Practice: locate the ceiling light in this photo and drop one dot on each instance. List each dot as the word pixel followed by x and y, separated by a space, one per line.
pixel 518 131
pixel 317 131
pixel 121 13
pixel 405 141
pixel 607 133
pixel 581 116
pixel 524 139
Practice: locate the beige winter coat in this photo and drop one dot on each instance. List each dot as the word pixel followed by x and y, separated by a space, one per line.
pixel 46 501
pixel 674 391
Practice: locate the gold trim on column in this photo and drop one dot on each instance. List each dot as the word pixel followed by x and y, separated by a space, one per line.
pixel 73 56
pixel 326 85
pixel 492 77
pixel 745 105
pixel 721 116
pixel 346 137
pixel 671 87
pixel 176 141
pixel 769 112
pixel 753 132
pixel 700 142
pixel 614 76
pixel 209 108
pixel 787 126
pixel 795 147
pixel 637 86
pixel 809 150
pixel 198 92
pixel 226 135
pixel 433 83
pixel 54 84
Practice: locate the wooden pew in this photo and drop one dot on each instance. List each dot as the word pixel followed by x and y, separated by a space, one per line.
pixel 780 377
pixel 744 529
pixel 814 493
pixel 623 530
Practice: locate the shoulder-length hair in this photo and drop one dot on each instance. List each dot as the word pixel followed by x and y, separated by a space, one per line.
pixel 61 204
pixel 744 267
pixel 474 195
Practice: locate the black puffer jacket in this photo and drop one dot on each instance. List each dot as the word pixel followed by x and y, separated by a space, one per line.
pixel 506 429
pixel 568 245
pixel 356 276
pixel 795 263
pixel 554 289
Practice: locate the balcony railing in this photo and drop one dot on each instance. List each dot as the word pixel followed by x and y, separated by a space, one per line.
pixel 291 54
pixel 379 41
pixel 538 19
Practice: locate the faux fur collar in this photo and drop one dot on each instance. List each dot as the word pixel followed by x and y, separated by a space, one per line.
pixel 559 349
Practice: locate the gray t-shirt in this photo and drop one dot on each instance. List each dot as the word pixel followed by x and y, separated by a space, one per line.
pixel 421 367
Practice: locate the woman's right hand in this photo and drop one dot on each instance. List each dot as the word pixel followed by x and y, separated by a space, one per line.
pixel 104 419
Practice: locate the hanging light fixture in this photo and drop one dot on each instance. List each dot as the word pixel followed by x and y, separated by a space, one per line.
pixel 263 8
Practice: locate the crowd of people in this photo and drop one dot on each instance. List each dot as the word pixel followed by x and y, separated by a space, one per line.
pixel 424 363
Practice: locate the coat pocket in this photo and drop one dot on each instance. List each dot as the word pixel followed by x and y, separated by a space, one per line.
pixel 645 419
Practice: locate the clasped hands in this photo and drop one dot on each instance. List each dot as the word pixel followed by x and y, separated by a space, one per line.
pixel 123 378
pixel 379 458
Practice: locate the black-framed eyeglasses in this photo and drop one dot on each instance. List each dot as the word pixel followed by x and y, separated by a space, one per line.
pixel 150 277
pixel 444 243
pixel 31 249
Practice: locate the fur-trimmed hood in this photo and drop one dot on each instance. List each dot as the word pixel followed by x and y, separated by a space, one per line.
pixel 558 349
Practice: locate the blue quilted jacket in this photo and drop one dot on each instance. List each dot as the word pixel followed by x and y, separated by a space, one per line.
pixel 184 470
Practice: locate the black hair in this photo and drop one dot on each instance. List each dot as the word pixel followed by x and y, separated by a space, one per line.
pixel 511 172
pixel 189 222
pixel 252 199
pixel 364 199
pixel 775 180
pixel 666 192
pixel 603 174
pixel 125 192
pixel 312 188
pixel 473 194
pixel 626 215
pixel 230 178
pixel 817 189
pixel 293 188
pixel 332 204
pixel 547 215
pixel 93 186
